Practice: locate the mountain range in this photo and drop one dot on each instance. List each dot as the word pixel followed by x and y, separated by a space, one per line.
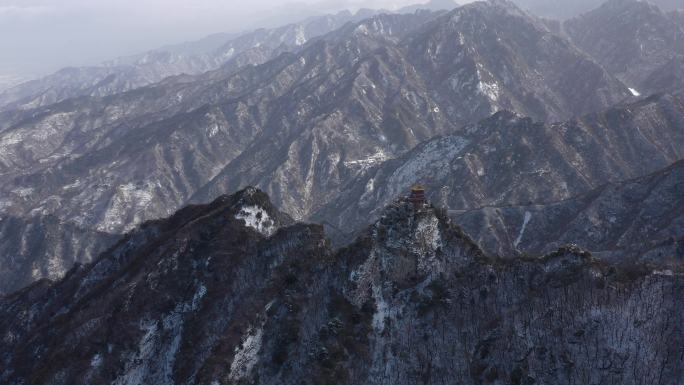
pixel 469 195
pixel 333 126
pixel 233 292
pixel 192 58
pixel 334 117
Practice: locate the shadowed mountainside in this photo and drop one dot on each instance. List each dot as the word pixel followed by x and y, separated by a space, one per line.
pixel 229 293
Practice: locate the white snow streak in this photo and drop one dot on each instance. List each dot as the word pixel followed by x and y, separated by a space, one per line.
pixel 229 53
pixel 490 90
pixel 155 357
pixel 382 309
pixel 526 220
pixel 300 37
pixel 96 361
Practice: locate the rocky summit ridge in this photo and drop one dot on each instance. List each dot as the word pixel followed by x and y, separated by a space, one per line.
pixel 234 292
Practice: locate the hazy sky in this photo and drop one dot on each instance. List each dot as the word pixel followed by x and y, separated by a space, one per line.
pixel 39 36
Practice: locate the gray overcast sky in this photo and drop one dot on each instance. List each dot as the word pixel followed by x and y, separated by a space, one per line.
pixel 40 36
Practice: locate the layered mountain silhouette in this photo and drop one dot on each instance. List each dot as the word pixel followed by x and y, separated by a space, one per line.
pixel 563 10
pixel 192 58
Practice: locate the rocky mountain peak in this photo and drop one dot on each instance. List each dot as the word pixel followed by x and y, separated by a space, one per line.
pixel 503 58
pixel 432 5
pixel 254 207
pixel 410 245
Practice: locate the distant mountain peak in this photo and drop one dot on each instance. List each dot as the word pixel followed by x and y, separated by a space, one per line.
pixel 635 40
pixel 500 5
pixel 618 7
pixel 432 5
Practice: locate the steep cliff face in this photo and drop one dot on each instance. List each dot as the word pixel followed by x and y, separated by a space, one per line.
pixel 638 219
pixel 233 293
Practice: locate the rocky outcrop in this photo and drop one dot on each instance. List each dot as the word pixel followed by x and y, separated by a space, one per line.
pixel 208 296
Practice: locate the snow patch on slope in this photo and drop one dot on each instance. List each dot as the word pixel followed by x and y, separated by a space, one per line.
pixel 96 361
pixel 135 374
pixel 490 90
pixel 246 355
pixel 526 220
pixel 365 163
pixel 428 240
pixel 382 309
pixel 228 54
pixel 258 219
pixel 428 234
pixel 300 36
pixel 155 357
pixel 126 196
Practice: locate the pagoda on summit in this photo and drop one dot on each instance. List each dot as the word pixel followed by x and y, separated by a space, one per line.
pixel 417 197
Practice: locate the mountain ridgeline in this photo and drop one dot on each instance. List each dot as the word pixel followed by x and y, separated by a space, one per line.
pixel 227 51
pixel 234 292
